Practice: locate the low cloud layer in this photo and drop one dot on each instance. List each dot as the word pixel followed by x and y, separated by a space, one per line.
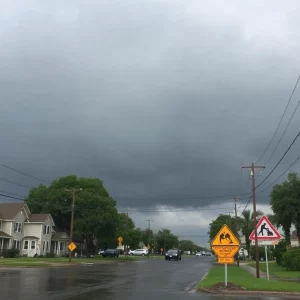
pixel 163 100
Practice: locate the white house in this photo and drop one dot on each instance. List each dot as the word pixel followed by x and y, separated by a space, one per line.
pixel 19 229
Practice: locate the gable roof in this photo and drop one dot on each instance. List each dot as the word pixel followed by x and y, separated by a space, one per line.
pixel 9 210
pixel 40 218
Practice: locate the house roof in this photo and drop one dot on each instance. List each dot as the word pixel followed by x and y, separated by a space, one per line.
pixel 59 236
pixel 4 235
pixel 38 218
pixel 9 210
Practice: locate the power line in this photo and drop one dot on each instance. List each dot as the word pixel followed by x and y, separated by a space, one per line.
pixel 279 176
pixel 284 132
pixel 19 184
pixel 11 197
pixel 12 194
pixel 279 122
pixel 287 150
pixel 23 173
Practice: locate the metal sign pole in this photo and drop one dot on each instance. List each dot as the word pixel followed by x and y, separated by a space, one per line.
pixel 267 263
pixel 225 274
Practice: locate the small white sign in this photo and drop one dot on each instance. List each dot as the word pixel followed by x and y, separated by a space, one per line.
pixel 265 243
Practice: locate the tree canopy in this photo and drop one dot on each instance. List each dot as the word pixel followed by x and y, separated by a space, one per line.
pixel 286 205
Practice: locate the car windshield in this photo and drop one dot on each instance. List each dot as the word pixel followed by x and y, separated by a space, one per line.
pixel 172 251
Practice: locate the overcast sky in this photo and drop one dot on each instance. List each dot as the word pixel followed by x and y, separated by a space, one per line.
pixel 163 100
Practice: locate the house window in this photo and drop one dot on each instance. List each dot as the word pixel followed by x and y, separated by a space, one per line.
pixel 17 244
pixel 0 225
pixel 18 227
pixel 25 245
pixel 32 244
pixel 46 246
pixel 46 229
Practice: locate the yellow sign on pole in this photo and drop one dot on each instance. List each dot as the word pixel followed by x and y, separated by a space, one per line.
pixel 225 244
pixel 225 260
pixel 148 246
pixel 72 247
pixel 120 239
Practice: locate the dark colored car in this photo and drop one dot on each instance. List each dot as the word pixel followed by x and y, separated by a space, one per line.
pixel 173 254
pixel 110 253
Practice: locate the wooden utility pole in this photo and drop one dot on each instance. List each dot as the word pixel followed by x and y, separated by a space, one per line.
pixel 253 168
pixel 236 228
pixel 149 221
pixel 73 191
pixel 126 246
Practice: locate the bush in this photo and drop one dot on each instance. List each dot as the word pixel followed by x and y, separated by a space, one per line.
pixel 291 259
pixel 11 253
pixel 262 253
pixel 278 252
pixel 50 255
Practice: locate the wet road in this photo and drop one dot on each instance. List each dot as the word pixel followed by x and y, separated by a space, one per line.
pixel 140 280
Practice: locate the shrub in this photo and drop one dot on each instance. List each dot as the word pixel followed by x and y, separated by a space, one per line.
pixel 278 252
pixel 11 253
pixel 50 255
pixel 291 259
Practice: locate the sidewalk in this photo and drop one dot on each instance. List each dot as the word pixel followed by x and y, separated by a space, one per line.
pixel 252 271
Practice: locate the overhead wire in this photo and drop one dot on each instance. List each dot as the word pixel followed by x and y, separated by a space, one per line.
pixel 15 183
pixel 288 149
pixel 286 107
pixel 23 173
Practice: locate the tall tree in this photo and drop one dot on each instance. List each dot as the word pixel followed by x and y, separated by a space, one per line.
pixel 216 225
pixel 96 216
pixel 285 204
pixel 247 225
pixel 164 238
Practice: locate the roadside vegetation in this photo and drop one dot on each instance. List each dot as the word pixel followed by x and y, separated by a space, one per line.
pixel 245 281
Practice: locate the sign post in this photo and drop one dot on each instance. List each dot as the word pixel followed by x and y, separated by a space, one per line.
pixel 267 263
pixel 266 235
pixel 225 245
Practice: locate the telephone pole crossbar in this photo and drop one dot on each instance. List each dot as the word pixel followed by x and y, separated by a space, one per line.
pixel 252 167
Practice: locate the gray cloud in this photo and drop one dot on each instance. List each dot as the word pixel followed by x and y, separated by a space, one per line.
pixel 162 100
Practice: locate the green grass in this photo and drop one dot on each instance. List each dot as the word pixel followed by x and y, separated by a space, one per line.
pixel 33 262
pixel 242 278
pixel 277 271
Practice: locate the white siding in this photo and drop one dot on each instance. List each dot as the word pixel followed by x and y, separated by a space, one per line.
pixel 46 237
pixel 6 227
pixel 20 218
pixel 33 229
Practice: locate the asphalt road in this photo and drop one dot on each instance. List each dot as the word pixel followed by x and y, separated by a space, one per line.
pixel 141 280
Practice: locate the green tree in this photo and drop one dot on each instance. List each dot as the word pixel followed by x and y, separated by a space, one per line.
pixel 188 245
pixel 165 238
pixel 247 225
pixel 285 205
pixel 216 225
pixel 96 216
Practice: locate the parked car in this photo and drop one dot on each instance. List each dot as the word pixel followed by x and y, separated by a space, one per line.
pixel 111 253
pixel 173 254
pixel 139 252
pixel 198 254
pixel 101 251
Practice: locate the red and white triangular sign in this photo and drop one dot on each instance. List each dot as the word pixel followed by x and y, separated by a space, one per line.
pixel 265 231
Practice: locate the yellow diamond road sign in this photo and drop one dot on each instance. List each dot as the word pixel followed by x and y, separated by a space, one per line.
pixel 72 247
pixel 225 244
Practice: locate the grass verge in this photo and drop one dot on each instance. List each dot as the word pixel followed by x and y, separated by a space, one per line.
pixel 35 262
pixel 277 271
pixel 243 279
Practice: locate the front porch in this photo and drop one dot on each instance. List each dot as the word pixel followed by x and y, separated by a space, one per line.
pixel 59 243
pixel 4 242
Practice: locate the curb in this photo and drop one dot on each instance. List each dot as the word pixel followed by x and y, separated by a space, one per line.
pixel 253 293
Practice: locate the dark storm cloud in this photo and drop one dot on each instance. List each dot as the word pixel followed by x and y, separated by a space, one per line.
pixel 161 100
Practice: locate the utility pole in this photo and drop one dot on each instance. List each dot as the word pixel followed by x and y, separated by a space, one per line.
pixel 73 191
pixel 126 246
pixel 165 243
pixel 253 168
pixel 149 221
pixel 236 228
